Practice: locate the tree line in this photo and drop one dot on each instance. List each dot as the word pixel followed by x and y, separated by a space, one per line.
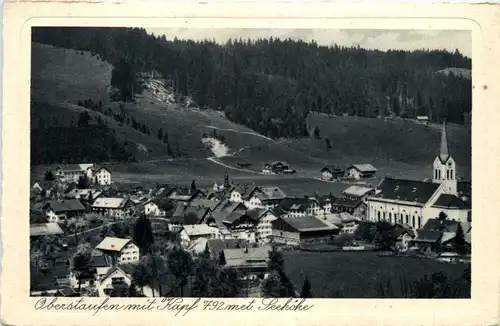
pixel 270 85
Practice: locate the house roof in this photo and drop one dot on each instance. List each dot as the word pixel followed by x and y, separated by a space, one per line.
pixel 207 203
pixel 406 190
pixel 99 261
pixel 113 244
pixel 68 205
pixel 215 246
pixel 102 168
pixel 257 213
pixel 126 269
pixel 364 167
pixel 427 236
pixel 233 216
pixel 357 191
pixel 110 202
pixel 307 223
pixel 347 202
pixel 74 193
pixel 299 204
pixel 228 206
pixel 187 214
pixel 247 257
pixel 45 229
pixel 333 169
pixel 398 230
pixel 268 193
pixel 199 229
pixel 450 201
pixel 435 224
pixel 197 246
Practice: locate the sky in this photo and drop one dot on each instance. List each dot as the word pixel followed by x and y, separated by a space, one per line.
pixel 369 39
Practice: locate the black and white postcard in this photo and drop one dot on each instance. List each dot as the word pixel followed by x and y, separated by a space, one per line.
pixel 182 170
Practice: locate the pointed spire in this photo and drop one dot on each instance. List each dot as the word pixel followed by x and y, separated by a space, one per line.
pixel 443 153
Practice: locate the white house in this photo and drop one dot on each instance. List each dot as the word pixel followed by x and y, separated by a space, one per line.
pixel 415 202
pixel 102 176
pixel 264 197
pixel 119 250
pixel 57 210
pixel 152 208
pixel 331 172
pixel 119 276
pixel 264 217
pixel 73 172
pixel 298 207
pixel 361 171
pixel 237 194
pixel 190 233
pixel 114 207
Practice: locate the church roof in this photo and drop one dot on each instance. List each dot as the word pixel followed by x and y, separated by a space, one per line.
pixel 450 201
pixel 443 151
pixel 406 190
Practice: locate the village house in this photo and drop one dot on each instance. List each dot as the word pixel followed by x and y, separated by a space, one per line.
pixel 191 233
pixel 239 224
pixel 428 242
pixel 185 195
pixel 84 194
pixel 297 207
pixel 188 215
pixel 361 171
pixel 250 262
pixel 216 246
pixel 264 197
pixel 423 119
pixel 358 192
pixel 43 187
pixel 113 207
pixel 414 202
pixel 332 172
pixel 402 235
pixel 237 193
pixel 356 207
pixel 73 172
pixel 57 210
pixel 276 167
pixel 119 250
pixel 101 176
pixel 152 208
pixel 45 229
pixel 449 229
pixel 118 278
pixel 306 229
pixel 205 203
pixel 264 217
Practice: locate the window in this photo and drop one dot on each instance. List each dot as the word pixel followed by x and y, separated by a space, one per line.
pixel 451 174
pixel 378 216
pixel 413 221
pixel 390 217
pixel 407 219
pixel 447 174
pixel 419 222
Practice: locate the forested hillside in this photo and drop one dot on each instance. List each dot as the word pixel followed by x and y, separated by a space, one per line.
pixel 270 85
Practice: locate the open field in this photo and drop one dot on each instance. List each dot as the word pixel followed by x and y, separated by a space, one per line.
pixel 358 275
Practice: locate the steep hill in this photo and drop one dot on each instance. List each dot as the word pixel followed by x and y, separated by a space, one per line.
pixel 63 79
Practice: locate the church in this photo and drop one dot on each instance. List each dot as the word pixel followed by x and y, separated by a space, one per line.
pixel 414 202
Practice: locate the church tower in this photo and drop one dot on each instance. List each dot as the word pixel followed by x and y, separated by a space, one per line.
pixel 444 167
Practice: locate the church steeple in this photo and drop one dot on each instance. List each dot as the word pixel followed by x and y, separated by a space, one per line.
pixel 444 166
pixel 443 153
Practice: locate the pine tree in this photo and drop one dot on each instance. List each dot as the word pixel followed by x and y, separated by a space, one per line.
pixel 192 189
pixel 143 234
pixel 317 133
pixel 327 143
pixel 306 289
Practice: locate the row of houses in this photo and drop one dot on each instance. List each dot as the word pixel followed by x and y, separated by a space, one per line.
pixel 355 171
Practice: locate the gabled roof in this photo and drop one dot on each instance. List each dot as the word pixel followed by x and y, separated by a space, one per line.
pixel 397 231
pixel 187 214
pixel 357 191
pixel 332 169
pixel 206 203
pixel 347 202
pixel 234 216
pixel 99 261
pixel 68 205
pixel 113 244
pixel 428 236
pixel 126 269
pixel 199 229
pixel 257 213
pixel 102 168
pixel 307 223
pixel 363 167
pixel 215 246
pixel 114 203
pixel 296 204
pixel 267 193
pixel 247 257
pixel 79 193
pixel 435 224
pixel 406 190
pixel 450 201
pixel 45 229
pixel 228 206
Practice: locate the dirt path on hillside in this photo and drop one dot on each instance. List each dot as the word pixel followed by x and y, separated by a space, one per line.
pixel 241 132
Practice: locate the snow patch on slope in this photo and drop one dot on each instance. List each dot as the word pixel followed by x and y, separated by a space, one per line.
pixel 216 146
